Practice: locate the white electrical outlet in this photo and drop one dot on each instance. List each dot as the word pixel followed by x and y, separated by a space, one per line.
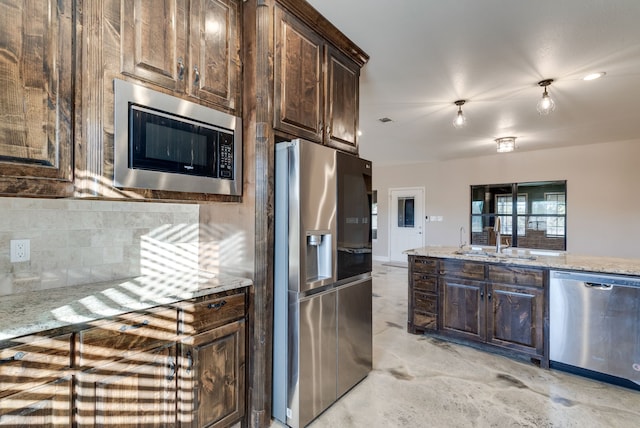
pixel 20 250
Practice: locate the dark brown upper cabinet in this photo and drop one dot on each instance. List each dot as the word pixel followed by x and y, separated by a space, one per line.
pixel 188 47
pixel 36 98
pixel 316 87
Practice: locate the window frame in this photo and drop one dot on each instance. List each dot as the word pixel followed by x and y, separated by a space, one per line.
pixel 483 213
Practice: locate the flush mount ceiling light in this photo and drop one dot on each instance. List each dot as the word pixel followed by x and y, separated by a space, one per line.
pixel 506 144
pixel 546 104
pixel 594 76
pixel 459 121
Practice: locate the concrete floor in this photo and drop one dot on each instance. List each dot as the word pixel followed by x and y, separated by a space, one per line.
pixel 419 381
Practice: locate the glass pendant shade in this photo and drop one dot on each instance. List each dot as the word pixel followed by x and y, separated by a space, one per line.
pixel 460 120
pixel 506 144
pixel 546 104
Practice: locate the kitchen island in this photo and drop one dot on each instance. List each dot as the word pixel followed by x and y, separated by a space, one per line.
pixel 155 350
pixel 498 302
pixel 548 259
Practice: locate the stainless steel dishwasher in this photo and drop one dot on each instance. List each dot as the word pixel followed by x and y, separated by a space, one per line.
pixel 594 325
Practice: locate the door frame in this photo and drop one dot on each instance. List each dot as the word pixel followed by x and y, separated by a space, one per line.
pixel 390 223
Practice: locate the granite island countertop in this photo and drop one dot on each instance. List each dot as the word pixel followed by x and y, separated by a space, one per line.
pixel 37 311
pixel 550 259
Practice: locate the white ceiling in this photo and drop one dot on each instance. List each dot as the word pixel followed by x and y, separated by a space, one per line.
pixel 425 54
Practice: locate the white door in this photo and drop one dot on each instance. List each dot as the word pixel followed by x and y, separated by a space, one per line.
pixel 405 231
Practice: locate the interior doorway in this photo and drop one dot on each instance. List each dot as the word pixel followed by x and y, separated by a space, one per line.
pixel 406 221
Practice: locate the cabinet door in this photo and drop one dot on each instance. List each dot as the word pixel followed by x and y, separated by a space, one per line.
pixel 342 95
pixel 154 41
pixel 139 391
pixel 35 362
pixel 36 99
pixel 463 308
pixel 212 374
pixel 214 70
pixel 45 406
pixel 298 105
pixel 516 317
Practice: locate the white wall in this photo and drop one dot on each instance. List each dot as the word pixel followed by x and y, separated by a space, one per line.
pixel 603 198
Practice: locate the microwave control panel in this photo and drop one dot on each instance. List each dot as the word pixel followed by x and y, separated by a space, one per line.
pixel 225 159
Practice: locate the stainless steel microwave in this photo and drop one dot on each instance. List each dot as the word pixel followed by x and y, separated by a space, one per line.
pixel 168 143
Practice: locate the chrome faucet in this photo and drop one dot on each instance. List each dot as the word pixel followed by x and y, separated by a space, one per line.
pixel 496 229
pixel 462 241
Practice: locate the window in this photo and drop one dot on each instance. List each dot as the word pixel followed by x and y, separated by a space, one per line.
pixel 406 212
pixel 549 214
pixel 538 209
pixel 504 205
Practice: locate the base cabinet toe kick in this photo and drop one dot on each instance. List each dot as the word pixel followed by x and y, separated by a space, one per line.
pixel 500 308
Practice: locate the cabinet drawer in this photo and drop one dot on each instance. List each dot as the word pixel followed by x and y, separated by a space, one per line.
pixel 515 275
pixel 424 282
pixel 462 269
pixel 212 312
pixel 425 302
pixel 36 362
pixel 422 320
pixel 425 265
pixel 133 332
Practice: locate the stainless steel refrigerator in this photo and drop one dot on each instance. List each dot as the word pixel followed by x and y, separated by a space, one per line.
pixel 322 286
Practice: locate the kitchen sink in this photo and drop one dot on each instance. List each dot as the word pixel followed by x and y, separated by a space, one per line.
pixel 500 256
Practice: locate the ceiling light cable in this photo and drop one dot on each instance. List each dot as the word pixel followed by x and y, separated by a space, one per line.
pixel 459 121
pixel 546 104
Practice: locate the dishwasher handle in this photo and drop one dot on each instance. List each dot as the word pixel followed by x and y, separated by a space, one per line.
pixel 598 285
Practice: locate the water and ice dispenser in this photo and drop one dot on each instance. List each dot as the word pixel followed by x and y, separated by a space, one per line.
pixel 318 256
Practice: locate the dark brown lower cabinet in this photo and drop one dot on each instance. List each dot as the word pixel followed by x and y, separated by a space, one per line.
pixel 35 382
pixel 176 365
pixel 211 381
pixel 498 305
pixel 46 406
pixel 139 391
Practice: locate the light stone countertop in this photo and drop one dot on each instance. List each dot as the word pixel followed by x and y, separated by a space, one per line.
pixel 535 258
pixel 36 311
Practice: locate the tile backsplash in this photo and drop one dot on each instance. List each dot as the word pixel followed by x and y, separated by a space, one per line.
pixel 84 241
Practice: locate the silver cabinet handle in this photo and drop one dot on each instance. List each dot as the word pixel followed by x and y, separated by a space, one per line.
pixel 180 69
pixel 196 73
pixel 217 306
pixel 17 357
pixel 135 326
pixel 172 369
pixel 190 360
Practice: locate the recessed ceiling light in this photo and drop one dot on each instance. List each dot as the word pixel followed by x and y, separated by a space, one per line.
pixel 594 76
pixel 385 119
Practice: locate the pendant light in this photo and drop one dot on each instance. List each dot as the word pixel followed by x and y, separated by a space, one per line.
pixel 506 144
pixel 459 121
pixel 546 104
